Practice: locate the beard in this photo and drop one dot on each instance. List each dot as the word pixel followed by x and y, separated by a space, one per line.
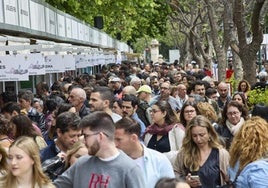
pixel 96 108
pixel 93 150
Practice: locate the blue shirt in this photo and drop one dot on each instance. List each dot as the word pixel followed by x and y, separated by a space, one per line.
pixel 49 152
pixel 233 171
pixel 157 166
pixel 138 120
pixel 254 175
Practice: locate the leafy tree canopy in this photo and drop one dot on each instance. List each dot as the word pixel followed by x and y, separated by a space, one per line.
pixel 131 18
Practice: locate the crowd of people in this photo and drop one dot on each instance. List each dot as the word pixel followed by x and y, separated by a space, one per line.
pixel 155 126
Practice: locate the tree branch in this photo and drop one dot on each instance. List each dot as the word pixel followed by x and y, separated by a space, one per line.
pixel 256 24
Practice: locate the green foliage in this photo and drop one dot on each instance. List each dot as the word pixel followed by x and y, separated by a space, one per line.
pixel 131 18
pixel 142 43
pixel 234 83
pixel 258 96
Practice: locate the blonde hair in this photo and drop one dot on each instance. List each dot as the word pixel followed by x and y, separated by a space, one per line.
pixel 191 154
pixel 207 110
pixel 29 146
pixel 250 143
pixel 78 145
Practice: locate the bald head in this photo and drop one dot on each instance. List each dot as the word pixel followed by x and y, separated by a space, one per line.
pixel 223 89
pixel 129 90
pixel 77 98
pixel 79 92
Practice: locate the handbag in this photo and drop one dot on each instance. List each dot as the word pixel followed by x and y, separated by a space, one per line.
pixel 53 167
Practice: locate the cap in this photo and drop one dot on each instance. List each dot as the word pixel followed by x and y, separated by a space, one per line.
pixel 145 88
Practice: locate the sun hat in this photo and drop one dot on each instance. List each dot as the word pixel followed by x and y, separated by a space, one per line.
pixel 145 88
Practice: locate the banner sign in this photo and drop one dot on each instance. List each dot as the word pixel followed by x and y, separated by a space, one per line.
pixel 37 16
pixel 14 68
pixel 36 64
pixel 11 12
pixel 69 62
pixel 61 25
pixel 68 26
pixel 54 64
pixel 24 16
pixel 75 29
pixel 101 59
pixel 1 12
pixel 109 58
pixel 81 61
pixel 50 21
pixel 81 32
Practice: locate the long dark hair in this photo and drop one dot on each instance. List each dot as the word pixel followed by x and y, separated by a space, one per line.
pixel 243 97
pixel 24 126
pixel 171 116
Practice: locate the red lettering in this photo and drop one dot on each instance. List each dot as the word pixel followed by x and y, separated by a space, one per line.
pixel 98 181
pixel 104 181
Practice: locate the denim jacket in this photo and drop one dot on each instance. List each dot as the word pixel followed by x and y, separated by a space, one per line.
pixel 254 175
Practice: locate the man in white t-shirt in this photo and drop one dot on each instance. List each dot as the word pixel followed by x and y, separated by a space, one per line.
pixel 154 164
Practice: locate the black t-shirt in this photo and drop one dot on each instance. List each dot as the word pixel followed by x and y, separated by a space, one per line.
pixel 162 145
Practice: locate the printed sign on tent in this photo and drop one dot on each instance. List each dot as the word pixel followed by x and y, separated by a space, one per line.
pixel 14 68
pixel 36 64
pixel 69 62
pixel 81 61
pixel 109 58
pixel 89 60
pixel 94 59
pixel 11 12
pixel 1 12
pixel 24 17
pixel 54 64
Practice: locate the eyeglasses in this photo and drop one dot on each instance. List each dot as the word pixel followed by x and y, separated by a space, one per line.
pixel 232 113
pixel 154 111
pixel 189 111
pixel 89 135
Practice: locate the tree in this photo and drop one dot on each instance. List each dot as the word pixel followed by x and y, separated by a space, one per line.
pixel 210 27
pixel 192 19
pixel 220 49
pixel 237 18
pixel 131 18
pixel 247 49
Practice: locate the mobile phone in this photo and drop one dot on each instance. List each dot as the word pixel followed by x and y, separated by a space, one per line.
pixel 195 177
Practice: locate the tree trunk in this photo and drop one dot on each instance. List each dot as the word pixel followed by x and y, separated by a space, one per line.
pixel 238 67
pixel 249 66
pixel 248 52
pixel 221 56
